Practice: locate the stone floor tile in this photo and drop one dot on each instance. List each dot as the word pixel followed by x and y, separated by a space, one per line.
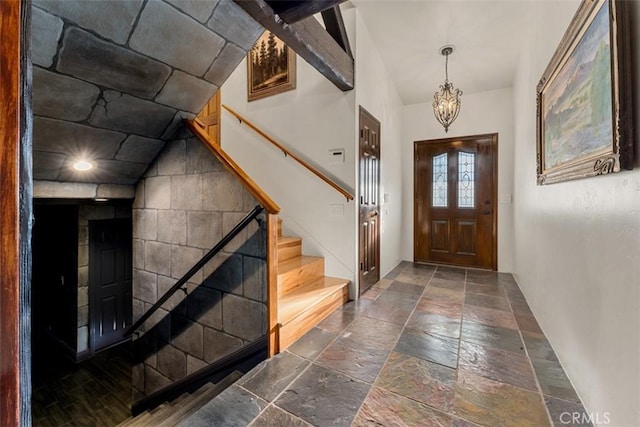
pixel 490 290
pixel 270 378
pixel 487 301
pixel 527 323
pixel 322 397
pixel 436 306
pixel 538 346
pixel 482 277
pixel 419 380
pixel 389 314
pixel 337 321
pixel 234 407
pixel 373 332
pixel 392 298
pixel 354 359
pixel 382 408
pixel 571 414
pixel 447 284
pixel 432 348
pixel 312 343
pixel 521 308
pixel 553 381
pixel 450 273
pixel 372 293
pixel 383 283
pixel 435 324
pixel 274 416
pixel 406 288
pixel 420 278
pixel 445 295
pixel 391 306
pixel 461 422
pixel 492 403
pixel 492 336
pixel 499 365
pixel 359 305
pixel 489 316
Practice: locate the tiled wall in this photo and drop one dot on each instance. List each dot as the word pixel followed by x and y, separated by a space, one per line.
pixel 184 205
pixel 113 79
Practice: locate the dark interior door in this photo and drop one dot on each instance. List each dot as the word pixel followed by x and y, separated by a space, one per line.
pixel 369 185
pixel 55 276
pixel 455 191
pixel 110 272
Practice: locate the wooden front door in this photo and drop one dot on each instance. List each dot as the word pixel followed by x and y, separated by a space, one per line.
pixel 369 185
pixel 454 205
pixel 110 272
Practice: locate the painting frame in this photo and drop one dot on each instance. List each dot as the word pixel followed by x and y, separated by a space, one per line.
pixel 569 148
pixel 254 81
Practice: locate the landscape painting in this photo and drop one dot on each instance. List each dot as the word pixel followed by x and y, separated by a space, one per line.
pixel 271 67
pixel 580 98
pixel 577 110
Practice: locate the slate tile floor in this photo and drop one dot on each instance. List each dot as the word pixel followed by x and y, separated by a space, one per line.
pixel 425 346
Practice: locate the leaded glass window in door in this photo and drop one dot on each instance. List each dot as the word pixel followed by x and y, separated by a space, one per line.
pixel 439 181
pixel 466 180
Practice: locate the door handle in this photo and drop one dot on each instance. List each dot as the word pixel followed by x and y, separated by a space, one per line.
pixel 486 212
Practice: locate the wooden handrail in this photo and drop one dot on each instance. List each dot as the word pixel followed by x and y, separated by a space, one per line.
pixel 286 152
pixel 248 183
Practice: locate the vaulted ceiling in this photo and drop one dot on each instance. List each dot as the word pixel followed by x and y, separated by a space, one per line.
pixel 112 79
pixel 487 34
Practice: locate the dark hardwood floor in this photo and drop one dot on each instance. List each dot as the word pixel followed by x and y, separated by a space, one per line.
pixel 96 392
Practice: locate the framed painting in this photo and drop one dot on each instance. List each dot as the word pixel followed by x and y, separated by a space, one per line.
pixel 584 118
pixel 271 67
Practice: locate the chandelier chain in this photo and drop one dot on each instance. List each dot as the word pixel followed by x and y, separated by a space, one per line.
pixel 446 67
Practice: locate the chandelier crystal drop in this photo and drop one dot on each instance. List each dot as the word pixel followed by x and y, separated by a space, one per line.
pixel 446 101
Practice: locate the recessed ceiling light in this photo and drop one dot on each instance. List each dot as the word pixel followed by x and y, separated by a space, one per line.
pixel 83 165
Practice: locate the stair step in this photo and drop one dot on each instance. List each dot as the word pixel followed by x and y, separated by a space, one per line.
pixel 306 306
pixel 289 247
pixel 171 413
pixel 200 398
pixel 298 271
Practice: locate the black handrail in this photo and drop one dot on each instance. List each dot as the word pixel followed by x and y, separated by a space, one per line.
pixel 205 259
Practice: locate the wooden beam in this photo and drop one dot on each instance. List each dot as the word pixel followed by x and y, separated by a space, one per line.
pixel 309 40
pixel 334 24
pixel 15 212
pixel 292 11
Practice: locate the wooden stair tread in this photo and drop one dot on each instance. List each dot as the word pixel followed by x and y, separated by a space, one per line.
pixel 305 297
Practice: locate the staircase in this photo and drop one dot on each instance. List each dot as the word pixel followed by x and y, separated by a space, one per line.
pixel 305 294
pixel 171 414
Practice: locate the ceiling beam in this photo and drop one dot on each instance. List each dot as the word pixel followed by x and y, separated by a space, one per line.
pixel 309 40
pixel 296 10
pixel 334 24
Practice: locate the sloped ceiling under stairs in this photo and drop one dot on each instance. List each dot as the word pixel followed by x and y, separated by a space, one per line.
pixel 113 79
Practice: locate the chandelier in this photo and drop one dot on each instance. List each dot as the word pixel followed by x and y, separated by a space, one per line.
pixel 446 101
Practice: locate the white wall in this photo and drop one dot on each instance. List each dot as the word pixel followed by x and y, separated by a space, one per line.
pixel 376 93
pixel 480 113
pixel 577 246
pixel 313 119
